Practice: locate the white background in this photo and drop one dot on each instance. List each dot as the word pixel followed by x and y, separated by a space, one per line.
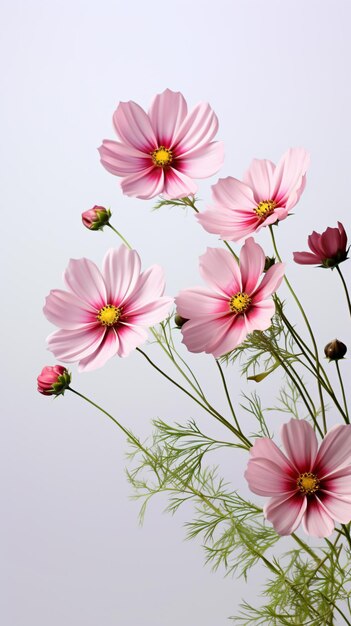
pixel 278 75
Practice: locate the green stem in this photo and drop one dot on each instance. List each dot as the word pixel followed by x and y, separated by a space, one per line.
pixel 120 235
pixel 342 391
pixel 309 330
pixel 228 397
pixel 205 404
pixel 345 287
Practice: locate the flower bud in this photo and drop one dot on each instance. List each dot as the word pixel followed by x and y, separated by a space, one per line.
pixel 269 262
pixel 179 320
pixel 335 350
pixel 53 380
pixel 96 218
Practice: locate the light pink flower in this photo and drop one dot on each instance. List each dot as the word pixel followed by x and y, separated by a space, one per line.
pixel 328 249
pixel 105 313
pixel 267 194
pixel 236 303
pixel 305 484
pixel 162 151
pixel 53 380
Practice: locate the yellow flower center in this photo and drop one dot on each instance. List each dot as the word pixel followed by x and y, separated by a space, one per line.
pixel 308 483
pixel 162 156
pixel 265 208
pixel 239 302
pixel 109 315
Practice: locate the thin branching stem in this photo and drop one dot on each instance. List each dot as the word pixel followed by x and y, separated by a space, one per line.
pixel 120 235
pixel 228 396
pixel 309 330
pixel 345 287
pixel 342 390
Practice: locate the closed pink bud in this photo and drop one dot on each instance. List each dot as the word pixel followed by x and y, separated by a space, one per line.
pixel 96 218
pixel 53 380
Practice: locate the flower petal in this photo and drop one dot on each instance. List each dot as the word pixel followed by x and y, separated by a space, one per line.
pixel 259 315
pixel 259 177
pixel 300 443
pixel 200 301
pixel 231 193
pixel 177 184
pixel 338 508
pixel 67 311
pixel 72 345
pixel 197 130
pixel 270 282
pixel 221 271
pixel 306 258
pixel 134 127
pixel 150 313
pixel 335 450
pixel 121 159
pixel 167 113
pixel 204 161
pixel 145 185
pixel 267 479
pixel 286 513
pixel 316 521
pixel 252 260
pixel 289 175
pixel 106 350
pixel 121 269
pixel 84 278
pixel 266 448
pixel 130 337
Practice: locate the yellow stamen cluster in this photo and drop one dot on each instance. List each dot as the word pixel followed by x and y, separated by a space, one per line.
pixel 109 315
pixel 265 208
pixel 308 483
pixel 239 302
pixel 162 156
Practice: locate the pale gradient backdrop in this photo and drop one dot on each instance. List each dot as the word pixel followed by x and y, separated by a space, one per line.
pixel 277 74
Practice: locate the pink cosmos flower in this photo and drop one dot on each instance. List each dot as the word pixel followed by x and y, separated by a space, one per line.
pixel 305 484
pixel 328 249
pixel 267 194
pixel 96 218
pixel 105 313
pixel 237 302
pixel 163 150
pixel 53 380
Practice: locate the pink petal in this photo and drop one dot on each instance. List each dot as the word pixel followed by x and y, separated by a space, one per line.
pixel 259 177
pixel 72 345
pixel 339 482
pixel 267 479
pixel 252 260
pixel 300 443
pixel 289 177
pixel 343 236
pixel 121 159
pixel 231 193
pixel 221 271
pixel 204 161
pixel 286 513
pixel 107 349
pixel 259 315
pixel 167 113
pixel 177 184
pixel 85 280
pixel 338 508
pixel 229 224
pixel 315 244
pixel 149 286
pixel 270 282
pixel 214 335
pixel 306 258
pixel 199 302
pixel 149 314
pixel 121 270
pixel 145 185
pixel 266 448
pixel 134 127
pixel 316 521
pixel 335 450
pixel 198 129
pixel 67 311
pixel 130 337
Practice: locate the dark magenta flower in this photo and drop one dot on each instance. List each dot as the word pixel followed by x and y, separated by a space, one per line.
pixel 328 249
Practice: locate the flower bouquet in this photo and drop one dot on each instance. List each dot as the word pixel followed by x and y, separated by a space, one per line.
pixel 301 479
